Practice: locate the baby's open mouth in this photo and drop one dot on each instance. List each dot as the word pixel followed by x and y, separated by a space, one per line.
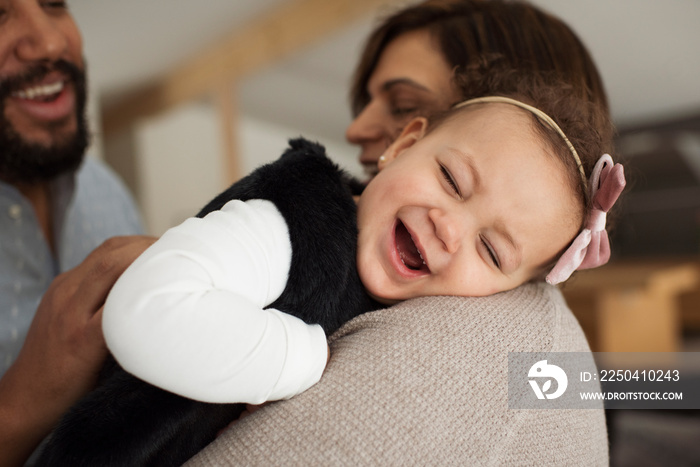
pixel 408 251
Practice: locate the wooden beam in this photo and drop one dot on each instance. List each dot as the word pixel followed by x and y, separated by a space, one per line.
pixel 226 103
pixel 286 29
pixel 143 101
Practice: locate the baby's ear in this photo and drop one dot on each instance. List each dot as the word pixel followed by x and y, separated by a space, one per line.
pixel 414 131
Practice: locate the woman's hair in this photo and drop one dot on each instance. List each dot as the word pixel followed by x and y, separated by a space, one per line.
pixel 523 36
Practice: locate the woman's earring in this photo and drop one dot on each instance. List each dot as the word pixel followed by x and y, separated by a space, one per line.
pixel 381 162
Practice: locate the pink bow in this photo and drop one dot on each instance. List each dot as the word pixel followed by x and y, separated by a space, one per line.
pixel 591 248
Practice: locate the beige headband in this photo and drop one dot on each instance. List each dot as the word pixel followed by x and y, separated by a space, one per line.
pixel 538 113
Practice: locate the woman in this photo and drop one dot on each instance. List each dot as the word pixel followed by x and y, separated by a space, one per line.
pixel 426 381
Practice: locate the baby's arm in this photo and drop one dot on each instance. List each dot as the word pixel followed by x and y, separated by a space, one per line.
pixel 188 315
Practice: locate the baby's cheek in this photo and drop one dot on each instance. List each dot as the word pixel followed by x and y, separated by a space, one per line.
pixel 372 278
pixel 477 283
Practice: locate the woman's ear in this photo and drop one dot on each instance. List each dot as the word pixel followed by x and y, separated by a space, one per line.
pixel 414 131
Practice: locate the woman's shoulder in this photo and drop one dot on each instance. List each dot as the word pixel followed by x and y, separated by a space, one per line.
pixel 426 382
pixel 449 356
pixel 530 318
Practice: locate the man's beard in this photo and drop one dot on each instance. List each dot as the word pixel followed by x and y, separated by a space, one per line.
pixel 27 162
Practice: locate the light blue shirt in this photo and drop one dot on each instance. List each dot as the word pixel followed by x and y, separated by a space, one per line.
pixel 88 207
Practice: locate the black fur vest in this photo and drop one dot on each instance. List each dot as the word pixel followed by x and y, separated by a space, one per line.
pixel 127 422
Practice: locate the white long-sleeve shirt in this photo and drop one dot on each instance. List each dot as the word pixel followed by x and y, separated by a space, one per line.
pixel 188 315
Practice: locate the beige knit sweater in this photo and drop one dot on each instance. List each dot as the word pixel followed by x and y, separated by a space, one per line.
pixel 425 383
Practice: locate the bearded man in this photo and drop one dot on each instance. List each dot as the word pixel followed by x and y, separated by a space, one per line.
pixel 56 206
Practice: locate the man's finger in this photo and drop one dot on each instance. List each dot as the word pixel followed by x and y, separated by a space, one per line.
pixel 100 270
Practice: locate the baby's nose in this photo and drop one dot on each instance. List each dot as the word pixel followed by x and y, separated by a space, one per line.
pixel 448 228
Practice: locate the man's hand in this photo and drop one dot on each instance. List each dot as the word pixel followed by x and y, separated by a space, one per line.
pixel 64 349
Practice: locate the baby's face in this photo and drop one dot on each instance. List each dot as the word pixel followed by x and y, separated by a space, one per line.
pixel 476 206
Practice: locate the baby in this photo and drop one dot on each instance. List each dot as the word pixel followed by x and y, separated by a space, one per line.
pixel 480 200
pixel 479 204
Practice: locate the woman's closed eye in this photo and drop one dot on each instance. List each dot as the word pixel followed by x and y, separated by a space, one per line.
pixel 403 110
pixel 55 4
pixel 402 103
pixel 491 252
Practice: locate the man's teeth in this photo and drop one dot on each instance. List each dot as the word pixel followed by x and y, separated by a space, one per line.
pixel 39 91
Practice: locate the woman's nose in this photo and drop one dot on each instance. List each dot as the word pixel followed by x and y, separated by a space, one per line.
pixel 40 38
pixel 368 130
pixel 449 228
pixel 365 127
